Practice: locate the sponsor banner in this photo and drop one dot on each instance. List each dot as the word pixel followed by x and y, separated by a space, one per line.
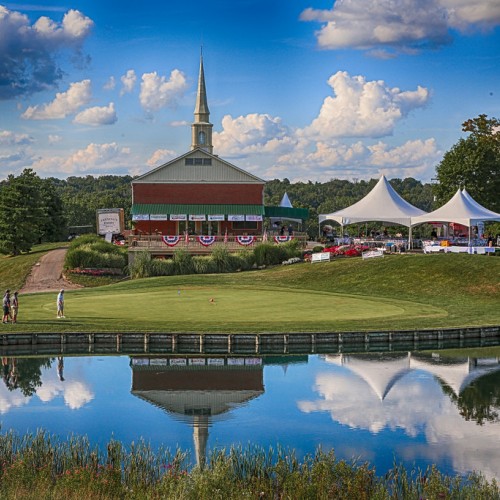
pixel 245 240
pixel 235 362
pixel 171 241
pixel 140 217
pixel 216 217
pixel 158 362
pixel 253 218
pixel 282 239
pixel 215 361
pixel 158 217
pixel 253 361
pixel 178 361
pixel 178 217
pixel 236 218
pixel 197 362
pixel 140 361
pixel 197 217
pixel 206 241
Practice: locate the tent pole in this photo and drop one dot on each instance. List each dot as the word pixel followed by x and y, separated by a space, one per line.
pixel 409 239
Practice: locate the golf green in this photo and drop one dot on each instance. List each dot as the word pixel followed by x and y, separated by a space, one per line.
pixel 209 308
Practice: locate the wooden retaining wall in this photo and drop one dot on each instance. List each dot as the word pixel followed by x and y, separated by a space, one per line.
pixel 261 343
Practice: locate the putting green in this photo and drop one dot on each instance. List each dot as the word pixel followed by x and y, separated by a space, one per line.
pixel 199 308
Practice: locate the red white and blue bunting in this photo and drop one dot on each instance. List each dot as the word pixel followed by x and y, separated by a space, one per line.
pixel 282 239
pixel 171 241
pixel 206 241
pixel 245 240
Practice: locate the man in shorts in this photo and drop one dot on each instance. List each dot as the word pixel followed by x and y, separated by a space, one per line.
pixel 60 304
pixel 6 307
pixel 14 307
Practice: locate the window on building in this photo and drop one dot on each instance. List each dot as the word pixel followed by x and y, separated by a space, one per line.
pixel 207 161
pixel 188 161
pixel 198 161
pixel 201 137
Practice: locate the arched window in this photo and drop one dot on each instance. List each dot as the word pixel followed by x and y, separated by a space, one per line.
pixel 201 137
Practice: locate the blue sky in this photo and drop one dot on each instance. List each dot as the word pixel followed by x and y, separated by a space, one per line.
pixel 307 90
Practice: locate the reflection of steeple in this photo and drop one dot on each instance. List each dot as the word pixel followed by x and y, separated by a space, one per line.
pixel 197 390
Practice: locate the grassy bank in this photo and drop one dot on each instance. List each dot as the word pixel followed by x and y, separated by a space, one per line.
pixel 40 466
pixel 396 292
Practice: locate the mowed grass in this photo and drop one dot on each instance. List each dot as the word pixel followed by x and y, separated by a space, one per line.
pixel 397 292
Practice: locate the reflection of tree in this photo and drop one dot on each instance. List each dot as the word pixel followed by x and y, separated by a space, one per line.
pixel 24 374
pixel 480 401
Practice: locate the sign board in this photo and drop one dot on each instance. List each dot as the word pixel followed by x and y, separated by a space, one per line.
pixel 110 220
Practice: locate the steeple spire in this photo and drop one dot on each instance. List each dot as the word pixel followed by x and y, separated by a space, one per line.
pixel 201 129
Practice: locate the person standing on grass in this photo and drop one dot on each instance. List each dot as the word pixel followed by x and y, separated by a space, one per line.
pixel 6 307
pixel 60 304
pixel 14 307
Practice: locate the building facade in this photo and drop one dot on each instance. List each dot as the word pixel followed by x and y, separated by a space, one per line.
pixel 198 192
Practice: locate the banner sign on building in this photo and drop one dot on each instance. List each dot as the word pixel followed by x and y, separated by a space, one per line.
pixel 197 217
pixel 236 218
pixel 216 217
pixel 253 218
pixel 158 217
pixel 140 217
pixel 178 217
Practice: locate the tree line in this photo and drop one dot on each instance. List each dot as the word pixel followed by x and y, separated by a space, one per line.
pixel 33 210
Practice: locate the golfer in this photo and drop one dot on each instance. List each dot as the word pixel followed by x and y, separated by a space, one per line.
pixel 60 304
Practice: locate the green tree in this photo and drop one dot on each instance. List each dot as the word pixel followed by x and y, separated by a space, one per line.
pixel 22 212
pixel 473 163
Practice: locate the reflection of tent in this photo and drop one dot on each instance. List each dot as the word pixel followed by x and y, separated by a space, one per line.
pixel 381 204
pixel 382 373
pixel 462 209
pixel 379 373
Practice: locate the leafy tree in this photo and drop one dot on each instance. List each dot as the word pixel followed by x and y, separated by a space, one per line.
pixel 22 212
pixel 473 163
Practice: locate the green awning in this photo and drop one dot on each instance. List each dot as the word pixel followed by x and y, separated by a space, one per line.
pixel 170 208
pixel 287 213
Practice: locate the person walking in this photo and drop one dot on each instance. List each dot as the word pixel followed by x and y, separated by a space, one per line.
pixel 14 307
pixel 60 304
pixel 6 307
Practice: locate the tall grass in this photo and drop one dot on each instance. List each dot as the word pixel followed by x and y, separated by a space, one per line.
pixel 91 251
pixel 41 466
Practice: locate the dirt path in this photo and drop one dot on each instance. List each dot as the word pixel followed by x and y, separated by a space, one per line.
pixel 46 274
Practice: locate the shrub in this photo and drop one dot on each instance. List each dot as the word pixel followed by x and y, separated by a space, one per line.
pixel 141 265
pixel 318 248
pixel 267 254
pixel 183 262
pixel 222 260
pixel 204 264
pixel 160 267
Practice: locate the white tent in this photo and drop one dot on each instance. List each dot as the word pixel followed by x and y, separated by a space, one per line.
pixel 461 209
pixel 285 201
pixel 381 204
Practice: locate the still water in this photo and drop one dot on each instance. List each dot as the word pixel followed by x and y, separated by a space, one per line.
pixel 410 408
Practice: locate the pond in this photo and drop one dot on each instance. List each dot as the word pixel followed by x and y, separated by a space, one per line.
pixel 413 408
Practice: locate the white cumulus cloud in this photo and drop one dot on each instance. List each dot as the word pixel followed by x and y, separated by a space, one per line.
pixel 128 81
pixel 28 53
pixel 105 115
pixel 110 84
pixel 160 156
pixel 9 138
pixel 362 108
pixel 399 26
pixel 64 104
pixel 158 91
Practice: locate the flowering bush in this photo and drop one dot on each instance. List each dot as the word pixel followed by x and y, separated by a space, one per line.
pixel 89 272
pixel 292 260
pixel 347 250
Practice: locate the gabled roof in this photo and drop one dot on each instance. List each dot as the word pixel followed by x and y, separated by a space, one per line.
pixel 213 170
pixel 382 204
pixel 461 209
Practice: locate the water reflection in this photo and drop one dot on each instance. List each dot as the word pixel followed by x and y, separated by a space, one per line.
pixel 412 407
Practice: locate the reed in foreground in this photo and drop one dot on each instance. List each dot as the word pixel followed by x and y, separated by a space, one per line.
pixel 41 466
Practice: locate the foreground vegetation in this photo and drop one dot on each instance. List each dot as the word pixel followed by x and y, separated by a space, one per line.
pixel 397 292
pixel 41 466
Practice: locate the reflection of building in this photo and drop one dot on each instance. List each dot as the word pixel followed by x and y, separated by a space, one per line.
pixel 381 373
pixel 197 390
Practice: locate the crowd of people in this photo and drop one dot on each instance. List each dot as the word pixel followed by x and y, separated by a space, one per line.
pixel 10 306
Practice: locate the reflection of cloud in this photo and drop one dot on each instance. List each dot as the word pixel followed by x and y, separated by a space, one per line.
pixel 11 399
pixel 76 394
pixel 417 407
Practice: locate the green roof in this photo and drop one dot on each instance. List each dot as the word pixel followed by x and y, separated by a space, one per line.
pixel 286 212
pixel 170 208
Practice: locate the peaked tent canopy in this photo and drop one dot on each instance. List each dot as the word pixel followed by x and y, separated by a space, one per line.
pixel 461 209
pixel 382 204
pixel 285 211
pixel 475 203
